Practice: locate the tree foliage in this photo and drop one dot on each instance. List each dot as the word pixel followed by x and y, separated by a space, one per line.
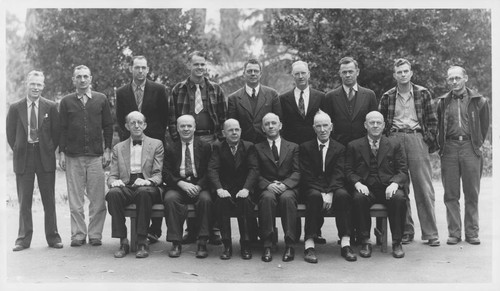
pixel 16 59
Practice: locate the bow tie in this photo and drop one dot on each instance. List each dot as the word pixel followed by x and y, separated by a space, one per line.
pixel 461 96
pixel 136 142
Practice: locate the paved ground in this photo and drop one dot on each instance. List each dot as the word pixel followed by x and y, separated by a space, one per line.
pixel 69 267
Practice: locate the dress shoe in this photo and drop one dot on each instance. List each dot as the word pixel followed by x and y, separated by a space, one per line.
pixel 215 239
pixel 202 252
pixel 57 245
pixel 188 239
pixel 310 256
pixel 320 240
pixel 434 242
pixel 453 240
pixel 18 248
pixel 152 238
pixel 407 238
pixel 227 253
pixel 95 242
pixel 366 250
pixel 289 254
pixel 266 255
pixel 397 251
pixel 246 254
pixel 473 240
pixel 348 254
pixel 77 242
pixel 142 252
pixel 123 251
pixel 175 252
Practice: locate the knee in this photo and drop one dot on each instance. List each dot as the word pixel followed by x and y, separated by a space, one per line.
pixel 287 197
pixel 171 197
pixel 343 195
pixel 359 198
pixel 314 196
pixel 267 197
pixel 204 197
pixel 399 197
pixel 113 194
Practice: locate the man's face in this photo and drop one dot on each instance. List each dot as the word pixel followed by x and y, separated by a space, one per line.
pixel 252 75
pixel 232 132
pixel 403 74
pixel 136 125
pixel 198 66
pixel 82 79
pixel 139 70
pixel 323 128
pixel 35 86
pixel 271 126
pixel 301 76
pixel 186 128
pixel 456 80
pixel 349 74
pixel 374 126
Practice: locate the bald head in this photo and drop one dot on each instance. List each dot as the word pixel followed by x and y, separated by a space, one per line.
pixel 135 122
pixel 232 131
pixel 374 124
pixel 271 125
pixel 186 126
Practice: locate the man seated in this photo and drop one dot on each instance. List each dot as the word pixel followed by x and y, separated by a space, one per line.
pixel 233 171
pixel 322 166
pixel 185 173
pixel 134 177
pixel 376 166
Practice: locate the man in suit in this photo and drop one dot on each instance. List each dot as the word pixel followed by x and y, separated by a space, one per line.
pixel 185 173
pixel 135 175
pixel 298 107
pixel 376 166
pixel 322 172
pixel 33 135
pixel 277 186
pixel 86 124
pixel 151 100
pixel 233 171
pixel 249 104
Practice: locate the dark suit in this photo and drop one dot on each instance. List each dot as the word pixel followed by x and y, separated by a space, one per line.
pixel 176 199
pixel 316 181
pixel 145 196
pixel 296 128
pixel 154 107
pixel 233 173
pixel 348 127
pixel 239 108
pixel 377 173
pixel 287 171
pixel 30 159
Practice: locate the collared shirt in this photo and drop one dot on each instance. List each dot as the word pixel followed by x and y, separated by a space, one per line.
pixel 135 158
pixel 277 142
pixel 458 120
pixel 405 115
pixel 305 96
pixel 370 142
pixel 325 149
pixel 183 160
pixel 87 93
pixel 28 103
pixel 142 86
pixel 249 90
pixel 346 89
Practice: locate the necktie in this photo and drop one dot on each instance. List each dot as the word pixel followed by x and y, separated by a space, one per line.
pixel 374 147
pixel 84 99
pixel 188 162
pixel 139 95
pixel 253 92
pixel 274 149
pixel 321 147
pixel 136 142
pixel 198 103
pixel 33 124
pixel 233 150
pixel 302 107
pixel 351 94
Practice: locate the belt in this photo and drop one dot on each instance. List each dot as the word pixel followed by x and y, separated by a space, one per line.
pixel 33 145
pixel 203 132
pixel 460 137
pixel 405 130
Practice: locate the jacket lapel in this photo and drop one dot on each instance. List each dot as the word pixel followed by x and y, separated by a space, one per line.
pixel 261 100
pixel 329 154
pixel 131 97
pixel 359 101
pixel 146 152
pixel 245 102
pixel 23 114
pixel 382 149
pixel 125 152
pixel 44 109
pixel 365 151
pixel 342 101
pixel 314 101
pixel 284 149
pixel 267 151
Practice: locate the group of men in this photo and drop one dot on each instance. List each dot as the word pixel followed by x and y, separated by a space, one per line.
pixel 342 151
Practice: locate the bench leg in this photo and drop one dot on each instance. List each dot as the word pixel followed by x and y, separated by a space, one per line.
pixel 384 234
pixel 133 234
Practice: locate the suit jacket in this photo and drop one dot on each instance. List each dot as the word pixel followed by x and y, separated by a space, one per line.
pixel 296 128
pixel 240 109
pixel 286 171
pixel 154 107
pixel 233 173
pixel 151 161
pixel 48 133
pixel 172 163
pixel 390 159
pixel 349 127
pixel 311 166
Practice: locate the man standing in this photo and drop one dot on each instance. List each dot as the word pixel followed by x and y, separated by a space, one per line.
pixel 233 171
pixel 134 177
pixel 85 121
pixel 151 100
pixel 249 104
pixel 411 120
pixel 463 122
pixel 277 186
pixel 33 135
pixel 376 166
pixel 185 173
pixel 322 172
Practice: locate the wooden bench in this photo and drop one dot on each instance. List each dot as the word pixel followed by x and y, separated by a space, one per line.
pixel 377 210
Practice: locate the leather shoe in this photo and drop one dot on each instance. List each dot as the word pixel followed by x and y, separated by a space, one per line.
pixel 266 255
pixel 407 238
pixel 95 242
pixel 175 252
pixel 348 254
pixel 57 245
pixel 142 252
pixel 152 238
pixel 434 242
pixel 202 252
pixel 123 251
pixel 246 254
pixel 397 251
pixel 473 240
pixel 215 239
pixel 188 238
pixel 320 240
pixel 366 250
pixel 453 240
pixel 310 256
pixel 78 242
pixel 289 254
pixel 227 253
pixel 18 248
